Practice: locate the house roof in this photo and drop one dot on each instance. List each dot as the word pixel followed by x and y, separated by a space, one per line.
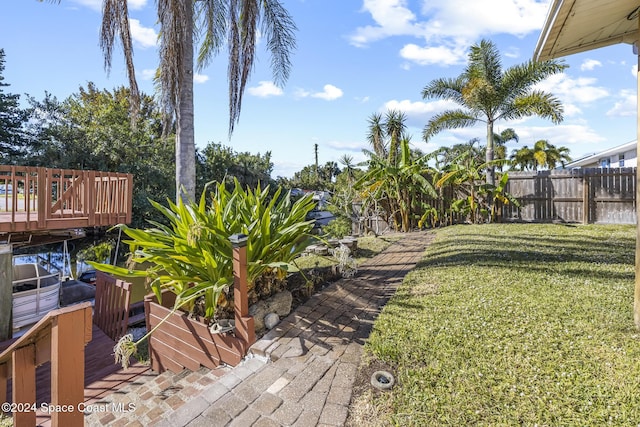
pixel 574 26
pixel 597 156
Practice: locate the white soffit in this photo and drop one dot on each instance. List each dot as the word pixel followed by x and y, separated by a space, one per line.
pixel 574 26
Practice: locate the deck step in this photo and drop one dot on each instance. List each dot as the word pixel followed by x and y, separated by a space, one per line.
pixel 135 319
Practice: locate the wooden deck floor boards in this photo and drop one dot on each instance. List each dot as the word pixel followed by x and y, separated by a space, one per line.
pixel 102 375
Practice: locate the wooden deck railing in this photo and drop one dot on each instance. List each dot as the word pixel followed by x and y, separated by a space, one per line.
pixel 60 337
pixel 33 199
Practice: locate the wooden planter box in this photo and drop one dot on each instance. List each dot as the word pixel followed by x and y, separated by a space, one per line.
pixel 181 342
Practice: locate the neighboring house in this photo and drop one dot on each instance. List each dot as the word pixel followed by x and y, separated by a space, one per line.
pixel 622 156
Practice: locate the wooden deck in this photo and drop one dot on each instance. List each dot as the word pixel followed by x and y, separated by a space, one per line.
pixel 102 375
pixel 42 199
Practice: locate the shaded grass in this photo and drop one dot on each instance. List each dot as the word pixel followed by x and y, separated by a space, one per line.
pixel 512 325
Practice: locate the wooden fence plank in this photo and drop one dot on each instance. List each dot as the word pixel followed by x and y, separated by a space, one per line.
pixel 24 385
pixel 591 195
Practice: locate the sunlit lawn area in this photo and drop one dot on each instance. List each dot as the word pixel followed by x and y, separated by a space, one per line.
pixel 512 325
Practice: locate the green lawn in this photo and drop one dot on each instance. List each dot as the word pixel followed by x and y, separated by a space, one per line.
pixel 504 325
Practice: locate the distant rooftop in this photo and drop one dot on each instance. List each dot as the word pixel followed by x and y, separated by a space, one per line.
pixel 591 158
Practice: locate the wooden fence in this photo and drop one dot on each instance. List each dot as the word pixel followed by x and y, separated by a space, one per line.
pixel 592 195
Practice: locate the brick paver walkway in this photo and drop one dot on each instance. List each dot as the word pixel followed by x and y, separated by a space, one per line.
pixel 301 373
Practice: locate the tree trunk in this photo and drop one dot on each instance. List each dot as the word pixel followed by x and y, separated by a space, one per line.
pixel 491 171
pixel 185 133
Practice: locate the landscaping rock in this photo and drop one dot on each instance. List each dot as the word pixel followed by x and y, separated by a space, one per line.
pixel 321 250
pixel 351 243
pixel 279 303
pixel 271 320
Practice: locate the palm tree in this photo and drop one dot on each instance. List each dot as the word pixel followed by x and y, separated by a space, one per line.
pixel 486 93
pixel 216 23
pixel 522 159
pixel 349 167
pixel 501 140
pixel 396 185
pixel 385 136
pixel 464 174
pixel 376 135
pixel 543 155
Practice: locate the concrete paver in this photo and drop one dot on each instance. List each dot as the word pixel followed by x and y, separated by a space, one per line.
pixel 300 373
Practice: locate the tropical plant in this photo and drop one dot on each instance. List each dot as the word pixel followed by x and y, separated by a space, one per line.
pixel 396 186
pixel 543 155
pixel 486 93
pixel 501 139
pixel 192 255
pixel 349 167
pixel 472 195
pixel 500 197
pixel 384 136
pixel 215 23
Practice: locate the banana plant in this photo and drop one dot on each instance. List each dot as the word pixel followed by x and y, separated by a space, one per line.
pixel 395 184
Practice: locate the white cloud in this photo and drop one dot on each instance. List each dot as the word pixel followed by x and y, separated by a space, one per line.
pixel 626 106
pixel 419 108
pixel 571 110
pixel 148 74
pixel 200 78
pixel 418 113
pixel 452 23
pixel 362 100
pixel 581 90
pixel 145 36
pixel 564 134
pixel 265 89
pixel 590 64
pixel 634 71
pixel 301 93
pixel 441 55
pixel 512 52
pixel 329 93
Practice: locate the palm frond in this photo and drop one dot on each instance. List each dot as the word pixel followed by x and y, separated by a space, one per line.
pixel 445 88
pixel 115 24
pixel 452 119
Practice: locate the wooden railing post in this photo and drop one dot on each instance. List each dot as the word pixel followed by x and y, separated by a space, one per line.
pixel 24 385
pixel 43 199
pixel 6 288
pixel 4 376
pixel 245 328
pixel 67 367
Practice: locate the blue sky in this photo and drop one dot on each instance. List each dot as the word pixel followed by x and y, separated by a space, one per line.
pixel 354 58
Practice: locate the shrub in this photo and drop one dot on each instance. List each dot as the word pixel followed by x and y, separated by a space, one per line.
pixel 192 255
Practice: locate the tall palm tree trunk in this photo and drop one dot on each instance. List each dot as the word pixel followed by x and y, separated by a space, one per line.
pixel 185 134
pixel 491 170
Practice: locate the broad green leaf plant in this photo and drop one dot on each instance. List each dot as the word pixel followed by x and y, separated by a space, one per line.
pixel 191 256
